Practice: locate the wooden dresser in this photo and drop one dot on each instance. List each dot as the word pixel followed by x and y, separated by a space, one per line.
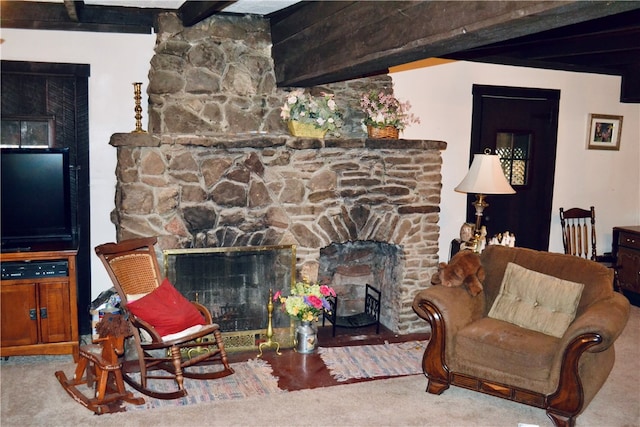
pixel 39 302
pixel 626 250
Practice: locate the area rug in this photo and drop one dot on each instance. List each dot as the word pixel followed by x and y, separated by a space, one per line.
pixel 251 378
pixel 371 361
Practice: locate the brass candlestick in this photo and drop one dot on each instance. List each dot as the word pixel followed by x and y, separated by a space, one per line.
pixel 138 109
pixel 269 342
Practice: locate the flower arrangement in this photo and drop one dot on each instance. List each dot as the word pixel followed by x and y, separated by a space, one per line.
pixel 321 111
pixel 306 301
pixel 382 109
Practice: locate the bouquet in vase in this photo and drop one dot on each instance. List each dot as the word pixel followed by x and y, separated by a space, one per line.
pixel 306 301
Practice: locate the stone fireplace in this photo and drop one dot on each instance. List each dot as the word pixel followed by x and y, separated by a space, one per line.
pixel 217 168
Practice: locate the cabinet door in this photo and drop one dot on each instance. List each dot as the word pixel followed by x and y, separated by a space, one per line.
pixel 55 321
pixel 629 272
pixel 19 315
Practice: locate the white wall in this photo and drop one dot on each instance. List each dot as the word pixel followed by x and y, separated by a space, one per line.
pixel 116 60
pixel 441 96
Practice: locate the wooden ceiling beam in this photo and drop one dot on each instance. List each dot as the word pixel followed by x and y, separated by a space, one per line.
pixel 323 42
pixel 57 16
pixel 191 12
pixel 72 10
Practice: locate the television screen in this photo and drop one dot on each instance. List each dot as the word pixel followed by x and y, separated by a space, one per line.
pixel 35 196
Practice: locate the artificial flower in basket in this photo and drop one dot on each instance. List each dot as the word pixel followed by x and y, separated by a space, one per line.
pixel 321 113
pixel 385 115
pixel 306 301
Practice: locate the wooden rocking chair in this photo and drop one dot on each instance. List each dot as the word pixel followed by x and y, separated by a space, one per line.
pixel 100 362
pixel 133 268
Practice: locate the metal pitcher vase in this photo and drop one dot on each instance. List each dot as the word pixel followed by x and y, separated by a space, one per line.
pixel 306 337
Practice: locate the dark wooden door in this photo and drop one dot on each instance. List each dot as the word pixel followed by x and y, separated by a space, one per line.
pixel 61 92
pixel 519 124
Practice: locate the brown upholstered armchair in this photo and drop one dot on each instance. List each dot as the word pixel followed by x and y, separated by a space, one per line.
pixel 560 373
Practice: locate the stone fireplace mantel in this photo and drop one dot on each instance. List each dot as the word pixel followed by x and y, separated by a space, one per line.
pixel 258 140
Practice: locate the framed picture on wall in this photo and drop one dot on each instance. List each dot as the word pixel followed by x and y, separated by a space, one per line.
pixel 604 132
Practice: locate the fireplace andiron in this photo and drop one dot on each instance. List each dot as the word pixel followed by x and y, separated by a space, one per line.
pixel 269 342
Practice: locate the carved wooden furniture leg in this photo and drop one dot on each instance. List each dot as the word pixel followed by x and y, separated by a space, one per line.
pixel 177 366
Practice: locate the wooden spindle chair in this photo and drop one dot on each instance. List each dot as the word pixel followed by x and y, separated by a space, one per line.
pixel 579 237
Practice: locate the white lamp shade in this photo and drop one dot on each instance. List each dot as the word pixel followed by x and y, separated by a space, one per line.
pixel 485 177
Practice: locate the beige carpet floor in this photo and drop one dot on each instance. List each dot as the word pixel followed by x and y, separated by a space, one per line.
pixel 31 396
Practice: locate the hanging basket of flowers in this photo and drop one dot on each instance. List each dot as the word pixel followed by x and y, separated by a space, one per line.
pixel 385 115
pixel 311 116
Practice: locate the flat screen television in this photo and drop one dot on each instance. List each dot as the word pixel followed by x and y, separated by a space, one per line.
pixel 36 196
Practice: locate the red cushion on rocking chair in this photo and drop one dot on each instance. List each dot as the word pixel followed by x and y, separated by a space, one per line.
pixel 166 310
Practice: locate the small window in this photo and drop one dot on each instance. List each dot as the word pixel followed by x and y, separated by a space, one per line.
pixel 27 132
pixel 514 149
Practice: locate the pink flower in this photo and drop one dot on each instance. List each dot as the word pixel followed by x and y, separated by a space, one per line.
pixel 314 301
pixel 326 291
pixel 276 297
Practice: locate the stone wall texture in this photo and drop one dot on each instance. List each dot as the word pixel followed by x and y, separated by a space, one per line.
pixel 201 196
pixel 217 167
pixel 218 77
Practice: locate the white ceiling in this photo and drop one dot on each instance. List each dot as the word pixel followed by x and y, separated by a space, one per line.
pixel 259 7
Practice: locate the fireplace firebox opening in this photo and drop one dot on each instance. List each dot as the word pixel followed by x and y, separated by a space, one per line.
pixel 348 267
pixel 234 283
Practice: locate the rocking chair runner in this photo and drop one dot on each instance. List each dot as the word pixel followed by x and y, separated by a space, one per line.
pixel 100 362
pixel 133 268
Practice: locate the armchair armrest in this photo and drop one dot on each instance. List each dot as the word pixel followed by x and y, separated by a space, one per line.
pixel 607 318
pixel 594 331
pixel 457 306
pixel 440 305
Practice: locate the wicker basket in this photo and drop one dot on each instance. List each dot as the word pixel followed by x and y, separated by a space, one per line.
pixel 306 130
pixel 388 132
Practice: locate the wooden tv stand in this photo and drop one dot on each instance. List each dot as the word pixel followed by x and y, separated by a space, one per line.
pixel 39 315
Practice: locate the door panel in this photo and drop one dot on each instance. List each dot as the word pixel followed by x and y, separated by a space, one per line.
pixel 522 124
pixel 55 324
pixel 18 315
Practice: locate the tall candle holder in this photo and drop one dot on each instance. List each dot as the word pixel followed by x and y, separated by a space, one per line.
pixel 138 109
pixel 270 342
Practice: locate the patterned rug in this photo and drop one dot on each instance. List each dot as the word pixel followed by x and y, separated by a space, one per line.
pixel 251 378
pixel 371 361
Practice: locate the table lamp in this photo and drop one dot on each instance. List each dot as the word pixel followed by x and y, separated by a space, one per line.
pixel 485 176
